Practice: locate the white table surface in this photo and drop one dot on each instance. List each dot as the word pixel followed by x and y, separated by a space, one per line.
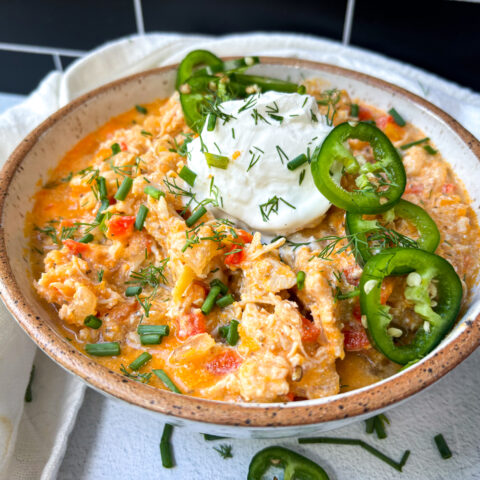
pixel 113 441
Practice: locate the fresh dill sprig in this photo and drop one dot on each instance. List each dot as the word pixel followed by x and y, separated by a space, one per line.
pixel 281 154
pixel 181 149
pixel 150 275
pixel 224 450
pixel 272 206
pixel 258 116
pixel 138 377
pixel 250 102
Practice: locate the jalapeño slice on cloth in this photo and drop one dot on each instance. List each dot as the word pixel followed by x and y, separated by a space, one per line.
pixel 432 288
pixel 378 185
pixel 296 466
pixel 374 237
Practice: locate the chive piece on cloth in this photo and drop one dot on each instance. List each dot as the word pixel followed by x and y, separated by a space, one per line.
pixel 141 109
pixel 301 276
pixel 297 162
pixel 86 238
pixel 210 438
pixel 188 175
pixel 133 291
pixel 153 192
pixel 359 443
pixel 151 339
pixel 92 321
pixel 28 391
pixel 217 161
pixel 442 446
pixel 125 187
pixel 195 216
pixel 165 446
pixel 141 216
pixel 140 361
pixel 162 330
pixel 107 349
pixel 397 117
pixel 225 301
pixel 161 374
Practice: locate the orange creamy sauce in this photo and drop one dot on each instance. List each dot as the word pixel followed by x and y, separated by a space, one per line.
pixel 431 184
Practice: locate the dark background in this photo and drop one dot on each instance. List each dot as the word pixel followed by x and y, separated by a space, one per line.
pixel 441 36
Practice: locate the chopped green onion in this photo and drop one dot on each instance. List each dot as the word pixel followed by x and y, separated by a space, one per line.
pixel 231 335
pixel 397 117
pixel 379 426
pixel 196 215
pixel 140 361
pixel 92 321
pixel 297 162
pixel 218 161
pixel 430 149
pixel 360 443
pixel 411 144
pixel 28 391
pixel 225 301
pixel 106 349
pixel 103 206
pixel 153 192
pixel 145 133
pixel 301 89
pixel 301 177
pixel 100 275
pixel 301 279
pixel 369 425
pixel 210 438
pixel 141 109
pixel 211 122
pixel 188 175
pixel 125 187
pixel 102 187
pixel 354 110
pixel 165 447
pixel 166 380
pixel 115 149
pixel 210 300
pixel 162 330
pixel 442 446
pixel 132 291
pixel 218 283
pixel 151 339
pixel 86 238
pixel 141 216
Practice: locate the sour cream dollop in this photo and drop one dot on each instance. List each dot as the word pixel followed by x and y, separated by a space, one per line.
pixel 260 135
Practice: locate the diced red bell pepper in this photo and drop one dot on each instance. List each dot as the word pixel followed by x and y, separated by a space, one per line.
pixel 448 188
pixel 233 259
pixel 191 324
pixel 383 121
pixel 364 114
pixel 355 338
pixel 415 188
pixel 120 226
pixel 310 331
pixel 224 362
pixel 76 247
pixel 123 146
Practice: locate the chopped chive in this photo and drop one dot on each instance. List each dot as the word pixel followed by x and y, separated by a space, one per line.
pixel 297 162
pixel 132 291
pixel 397 117
pixel 354 110
pixel 115 149
pixel 28 391
pixel 301 89
pixel 411 144
pixel 196 215
pixel 210 438
pixel 442 446
pixel 162 330
pixel 141 109
pixel 103 206
pixel 232 333
pixel 225 301
pixel 369 425
pixel 92 321
pixel 106 349
pixel 360 443
pixel 145 133
pixel 380 427
pixel 210 300
pixel 153 192
pixel 218 283
pixel 301 279
pixel 278 118
pixel 125 187
pixel 211 122
pixel 161 374
pixel 151 339
pixel 301 177
pixel 430 149
pixel 188 175
pixel 140 361
pixel 233 133
pixel 86 238
pixel 100 275
pixel 165 446
pixel 218 161
pixel 102 187
pixel 141 216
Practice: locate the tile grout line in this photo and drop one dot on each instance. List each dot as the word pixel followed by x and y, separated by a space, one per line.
pixel 16 47
pixel 137 6
pixel 347 26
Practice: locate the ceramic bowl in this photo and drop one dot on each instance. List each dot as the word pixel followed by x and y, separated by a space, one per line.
pixel 42 149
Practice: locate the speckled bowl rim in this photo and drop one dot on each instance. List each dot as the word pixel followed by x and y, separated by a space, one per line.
pixel 358 402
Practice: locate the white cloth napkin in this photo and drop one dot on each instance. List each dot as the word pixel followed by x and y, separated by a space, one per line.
pixel 33 437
